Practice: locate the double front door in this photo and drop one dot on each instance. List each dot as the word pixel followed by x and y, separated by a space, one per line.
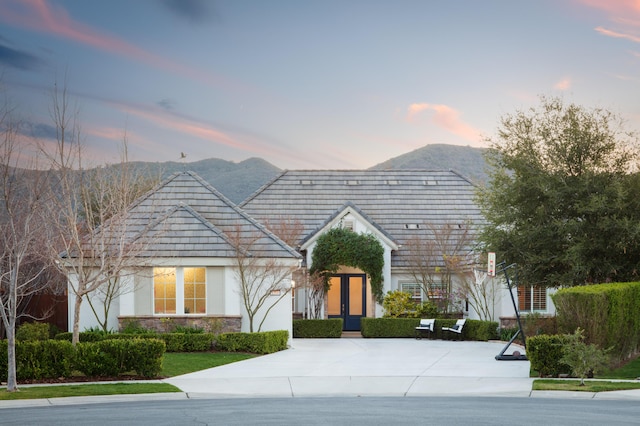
pixel 347 299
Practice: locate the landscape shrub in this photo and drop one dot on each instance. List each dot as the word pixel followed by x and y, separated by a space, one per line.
pixel 83 336
pixel 317 328
pixel 609 314
pixel 545 353
pixel 405 327
pixel 265 342
pixel 113 357
pixel 39 359
pixel 388 327
pixel 30 331
pixel 398 304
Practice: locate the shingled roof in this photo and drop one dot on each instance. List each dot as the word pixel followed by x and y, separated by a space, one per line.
pixel 184 216
pixel 401 203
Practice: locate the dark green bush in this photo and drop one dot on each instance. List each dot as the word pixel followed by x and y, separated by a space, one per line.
pixel 317 328
pixel 608 313
pixel 405 327
pixel 84 336
pixel 39 359
pixel 198 342
pixel 145 357
pixel 544 353
pixel 114 357
pixel 265 342
pixel 30 331
pixel 388 327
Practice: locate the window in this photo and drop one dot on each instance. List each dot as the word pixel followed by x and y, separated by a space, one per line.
pixel 532 298
pixel 438 290
pixel 164 290
pixel 414 290
pixel 179 290
pixel 195 300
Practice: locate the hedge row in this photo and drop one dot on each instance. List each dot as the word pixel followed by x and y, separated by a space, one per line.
pixel 265 342
pixel 544 352
pixel 609 314
pixel 405 327
pixel 175 342
pixel 50 359
pixel 317 328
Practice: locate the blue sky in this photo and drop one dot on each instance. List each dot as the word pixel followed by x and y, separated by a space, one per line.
pixel 342 84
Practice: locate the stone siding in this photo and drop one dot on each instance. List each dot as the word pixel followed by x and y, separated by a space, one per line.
pixel 210 323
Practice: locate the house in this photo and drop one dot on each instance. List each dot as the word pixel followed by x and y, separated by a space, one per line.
pixel 188 271
pixel 192 241
pixel 419 216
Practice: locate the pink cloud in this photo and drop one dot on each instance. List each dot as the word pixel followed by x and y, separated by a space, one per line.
pixel 615 34
pixel 446 118
pixel 564 84
pixel 39 15
pixel 624 15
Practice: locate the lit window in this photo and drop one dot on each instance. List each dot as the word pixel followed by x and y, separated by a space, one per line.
pixel 179 290
pixel 164 290
pixel 195 300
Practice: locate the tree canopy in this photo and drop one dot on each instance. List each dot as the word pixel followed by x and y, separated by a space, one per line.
pixel 562 198
pixel 340 246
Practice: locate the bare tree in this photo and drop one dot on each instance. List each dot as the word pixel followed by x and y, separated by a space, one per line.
pixel 97 238
pixel 111 191
pixel 436 258
pixel 23 195
pixel 263 281
pixel 482 293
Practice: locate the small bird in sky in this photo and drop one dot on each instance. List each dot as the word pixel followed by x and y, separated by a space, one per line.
pixel 183 155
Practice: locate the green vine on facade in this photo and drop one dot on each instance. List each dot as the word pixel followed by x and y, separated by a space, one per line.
pixel 340 246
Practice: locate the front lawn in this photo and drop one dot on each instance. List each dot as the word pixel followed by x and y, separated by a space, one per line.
pixel 589 385
pixel 178 363
pixel 38 392
pixel 174 364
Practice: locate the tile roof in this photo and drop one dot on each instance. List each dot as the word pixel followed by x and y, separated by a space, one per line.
pixel 402 203
pixel 184 216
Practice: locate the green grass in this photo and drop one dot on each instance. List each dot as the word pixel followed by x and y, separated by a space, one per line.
pixel 174 364
pixel 177 363
pixel 589 385
pixel 37 392
pixel 629 371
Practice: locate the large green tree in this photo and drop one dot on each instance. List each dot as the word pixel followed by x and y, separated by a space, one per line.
pixel 562 198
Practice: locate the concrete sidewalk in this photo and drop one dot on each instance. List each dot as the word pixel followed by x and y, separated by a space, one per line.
pixel 366 367
pixel 357 367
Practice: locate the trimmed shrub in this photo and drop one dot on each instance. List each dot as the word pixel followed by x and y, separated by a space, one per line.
pixel 198 342
pixel 545 352
pixel 608 313
pixel 84 336
pixel 317 328
pixel 405 327
pixel 265 342
pixel 113 357
pixel 30 331
pixel 145 357
pixel 389 327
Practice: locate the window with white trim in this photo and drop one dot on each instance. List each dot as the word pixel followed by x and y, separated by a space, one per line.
pixel 532 298
pixel 414 290
pixel 179 290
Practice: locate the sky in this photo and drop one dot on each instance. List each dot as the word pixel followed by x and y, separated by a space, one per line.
pixel 314 84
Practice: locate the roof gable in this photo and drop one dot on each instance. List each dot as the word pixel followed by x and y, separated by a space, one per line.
pixel 184 216
pixel 403 204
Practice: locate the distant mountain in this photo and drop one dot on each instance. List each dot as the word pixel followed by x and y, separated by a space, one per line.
pixel 235 180
pixel 467 161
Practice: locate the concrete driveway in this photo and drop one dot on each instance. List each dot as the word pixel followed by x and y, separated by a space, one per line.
pixel 367 367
